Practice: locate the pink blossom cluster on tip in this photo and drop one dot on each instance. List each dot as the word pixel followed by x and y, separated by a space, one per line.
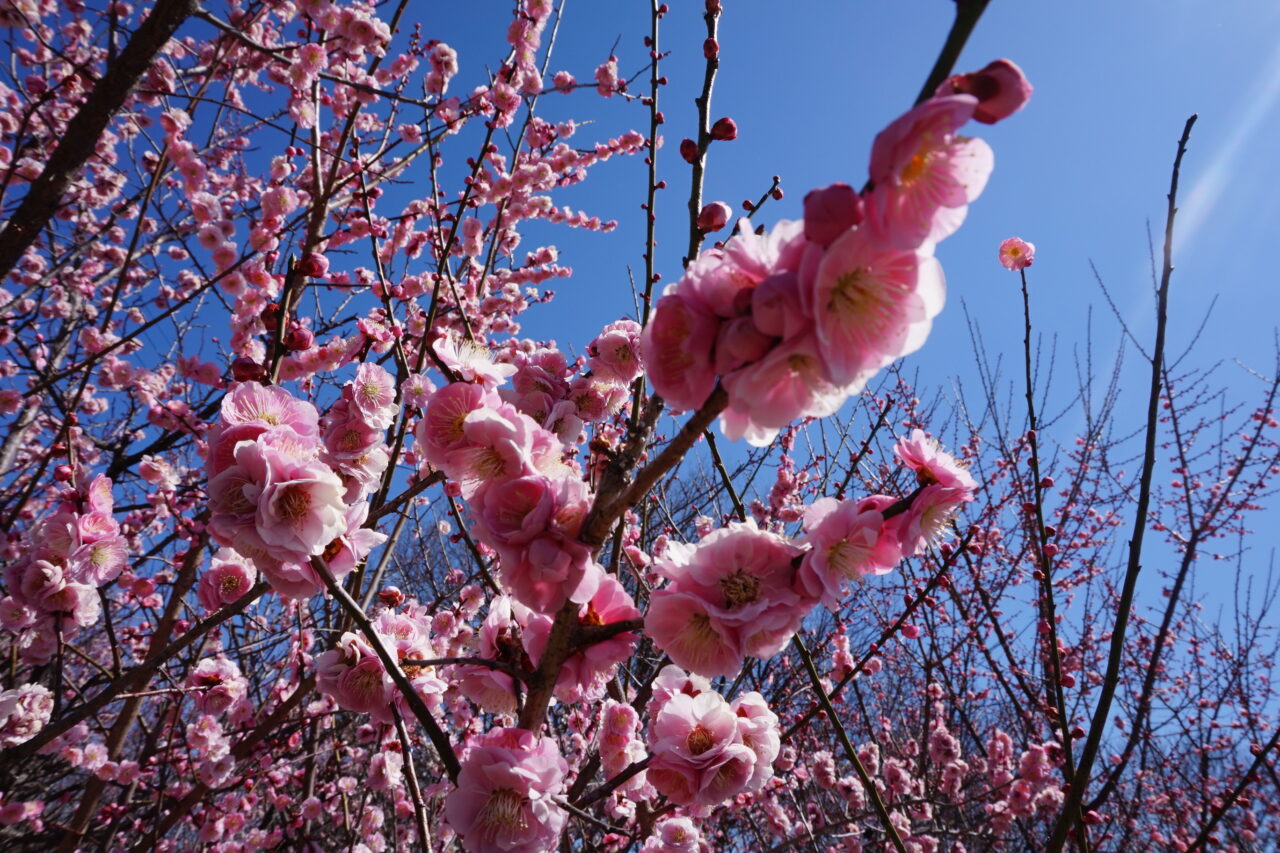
pixel 735 594
pixel 69 555
pixel 743 592
pixel 504 801
pixel 1017 254
pixel 528 503
pixel 706 749
pixel 674 835
pixel 945 485
pixel 794 321
pixel 24 711
pixel 513 634
pixel 353 673
pixel 282 491
pixel 216 684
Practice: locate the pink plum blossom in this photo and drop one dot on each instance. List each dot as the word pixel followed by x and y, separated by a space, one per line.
pixel 677 349
pixel 925 174
pixel 227 579
pixel 24 711
pixel 1017 254
pixel 873 304
pixel 732 595
pixel 848 542
pixel 506 791
pixel 698 754
pixel 931 463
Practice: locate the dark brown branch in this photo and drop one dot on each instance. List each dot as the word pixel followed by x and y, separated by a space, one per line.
pixel 1102 713
pixel 83 132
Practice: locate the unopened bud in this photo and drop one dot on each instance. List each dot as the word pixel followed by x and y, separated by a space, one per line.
pixel 714 216
pixel 724 129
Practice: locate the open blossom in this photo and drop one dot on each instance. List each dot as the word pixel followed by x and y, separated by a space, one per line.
pixel 24 711
pixel 849 540
pixel 925 173
pixel 674 835
pixel 931 463
pixel 533 522
pixel 928 521
pixel 1017 254
pixel 677 347
pixel 506 791
pixel 699 757
pixel 615 352
pixel 731 595
pixel 227 579
pixel 354 676
pixel 873 304
pixel 218 685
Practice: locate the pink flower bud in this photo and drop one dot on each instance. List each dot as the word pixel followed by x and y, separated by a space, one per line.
pixel 314 265
pixel 724 129
pixel 63 473
pixel 829 212
pixel 299 338
pixel 1001 89
pixel 714 216
pixel 688 150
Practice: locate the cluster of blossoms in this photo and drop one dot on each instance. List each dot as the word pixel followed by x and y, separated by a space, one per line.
pixel 353 674
pixel 514 635
pixel 706 749
pixel 795 321
pixel 53 584
pixel 743 592
pixel 24 710
pixel 282 492
pixel 528 500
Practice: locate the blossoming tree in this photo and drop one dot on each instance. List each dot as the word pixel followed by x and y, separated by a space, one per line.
pixel 364 569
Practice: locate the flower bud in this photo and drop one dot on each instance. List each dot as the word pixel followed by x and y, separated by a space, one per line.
pixel 299 338
pixel 724 129
pixel 247 370
pixel 714 216
pixel 688 150
pixel 314 265
pixel 829 212
pixel 1001 89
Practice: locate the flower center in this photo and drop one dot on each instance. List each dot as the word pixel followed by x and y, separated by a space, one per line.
pixel 294 503
pixel 503 813
pixel 699 740
pixel 740 588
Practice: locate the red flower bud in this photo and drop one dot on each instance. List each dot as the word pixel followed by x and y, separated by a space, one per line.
pixel 724 129
pixel 299 338
pixel 688 150
pixel 247 370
